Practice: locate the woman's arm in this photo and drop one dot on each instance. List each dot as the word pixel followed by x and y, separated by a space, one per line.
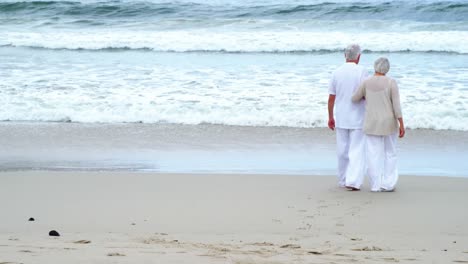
pixel 395 94
pixel 359 93
pixel 395 98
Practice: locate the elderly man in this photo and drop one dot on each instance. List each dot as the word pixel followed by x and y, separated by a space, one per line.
pixel 350 140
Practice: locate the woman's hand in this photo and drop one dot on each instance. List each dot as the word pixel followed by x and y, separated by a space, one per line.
pixel 402 127
pixel 402 131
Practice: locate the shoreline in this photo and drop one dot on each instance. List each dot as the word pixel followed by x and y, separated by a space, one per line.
pixel 121 217
pixel 166 148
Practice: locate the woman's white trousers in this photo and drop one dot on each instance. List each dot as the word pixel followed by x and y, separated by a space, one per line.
pixel 382 162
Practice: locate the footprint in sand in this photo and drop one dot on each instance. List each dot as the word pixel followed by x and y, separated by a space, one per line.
pixel 391 259
pixel 366 248
pixel 262 244
pixel 82 242
pixel 293 246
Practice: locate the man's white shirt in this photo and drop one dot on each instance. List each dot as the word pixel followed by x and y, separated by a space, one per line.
pixel 344 82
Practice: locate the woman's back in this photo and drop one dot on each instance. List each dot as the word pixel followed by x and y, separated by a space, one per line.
pixel 382 105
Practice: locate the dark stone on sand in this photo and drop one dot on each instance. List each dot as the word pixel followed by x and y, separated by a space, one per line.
pixel 54 233
pixel 31 219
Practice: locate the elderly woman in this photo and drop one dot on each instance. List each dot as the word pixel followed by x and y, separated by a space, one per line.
pixel 382 122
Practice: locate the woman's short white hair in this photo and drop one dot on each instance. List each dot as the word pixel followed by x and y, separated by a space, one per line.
pixel 352 52
pixel 382 65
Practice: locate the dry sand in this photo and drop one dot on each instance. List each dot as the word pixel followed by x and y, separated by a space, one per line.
pixel 121 217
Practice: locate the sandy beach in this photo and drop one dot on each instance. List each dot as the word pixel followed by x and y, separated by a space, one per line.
pixel 124 217
pixel 196 132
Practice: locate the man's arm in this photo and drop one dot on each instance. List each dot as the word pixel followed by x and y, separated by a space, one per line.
pixel 331 105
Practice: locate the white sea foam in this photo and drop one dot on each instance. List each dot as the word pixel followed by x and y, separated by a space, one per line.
pixel 229 89
pixel 232 62
pixel 241 41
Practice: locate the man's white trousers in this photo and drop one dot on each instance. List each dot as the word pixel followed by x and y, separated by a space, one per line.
pixel 350 145
pixel 382 161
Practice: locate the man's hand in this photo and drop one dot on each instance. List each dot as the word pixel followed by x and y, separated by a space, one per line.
pixel 331 123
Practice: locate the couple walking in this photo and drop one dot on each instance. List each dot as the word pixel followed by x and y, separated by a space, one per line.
pixel 368 120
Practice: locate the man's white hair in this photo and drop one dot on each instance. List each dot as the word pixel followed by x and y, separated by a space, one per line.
pixel 352 52
pixel 382 65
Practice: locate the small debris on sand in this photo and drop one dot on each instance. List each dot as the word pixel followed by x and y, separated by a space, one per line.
pixel 54 233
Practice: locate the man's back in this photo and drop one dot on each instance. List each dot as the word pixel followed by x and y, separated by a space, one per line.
pixel 344 82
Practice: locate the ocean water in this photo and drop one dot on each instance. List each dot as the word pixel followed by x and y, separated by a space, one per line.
pixel 244 63
pixel 215 86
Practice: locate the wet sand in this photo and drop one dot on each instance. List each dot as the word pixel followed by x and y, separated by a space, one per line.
pixel 210 149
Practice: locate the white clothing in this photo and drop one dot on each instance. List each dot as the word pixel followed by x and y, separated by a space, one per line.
pixel 382 161
pixel 350 145
pixel 343 84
